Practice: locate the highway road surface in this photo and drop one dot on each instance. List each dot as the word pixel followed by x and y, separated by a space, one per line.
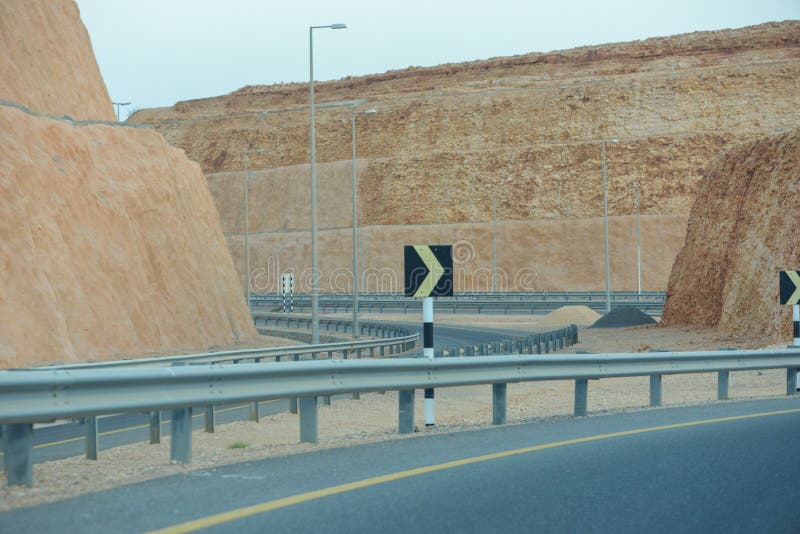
pixel 723 467
pixel 65 440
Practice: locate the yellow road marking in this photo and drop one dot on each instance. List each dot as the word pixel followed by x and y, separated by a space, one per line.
pixel 247 511
pixel 106 433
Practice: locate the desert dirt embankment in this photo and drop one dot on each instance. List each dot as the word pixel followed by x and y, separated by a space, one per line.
pixel 743 229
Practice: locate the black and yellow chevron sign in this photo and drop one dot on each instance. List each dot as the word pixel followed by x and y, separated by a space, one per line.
pixel 790 287
pixel 429 271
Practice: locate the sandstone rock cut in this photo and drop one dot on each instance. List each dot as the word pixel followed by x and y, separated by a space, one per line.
pixel 743 229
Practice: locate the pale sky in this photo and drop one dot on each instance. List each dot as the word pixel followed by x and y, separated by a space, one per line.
pixel 158 52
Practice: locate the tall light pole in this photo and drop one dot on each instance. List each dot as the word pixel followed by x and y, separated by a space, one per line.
pixel 605 225
pixel 638 240
pixel 314 259
pixel 494 242
pixel 247 225
pixel 356 275
pixel 118 104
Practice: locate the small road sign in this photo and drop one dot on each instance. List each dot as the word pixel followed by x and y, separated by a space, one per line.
pixel 429 271
pixel 790 287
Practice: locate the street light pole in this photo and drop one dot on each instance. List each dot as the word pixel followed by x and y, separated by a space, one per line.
pixel 605 226
pixel 638 240
pixel 314 258
pixel 494 243
pixel 356 274
pixel 247 225
pixel 118 104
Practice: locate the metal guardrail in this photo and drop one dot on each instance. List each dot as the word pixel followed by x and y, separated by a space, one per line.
pixel 619 296
pixel 27 396
pixel 468 302
pixel 397 340
pixel 540 343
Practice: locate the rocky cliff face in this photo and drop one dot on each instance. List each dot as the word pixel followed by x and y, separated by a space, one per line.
pixel 526 129
pixel 110 244
pixel 743 229
pixel 47 63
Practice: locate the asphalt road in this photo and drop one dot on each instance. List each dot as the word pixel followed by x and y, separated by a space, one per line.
pixel 729 467
pixel 65 440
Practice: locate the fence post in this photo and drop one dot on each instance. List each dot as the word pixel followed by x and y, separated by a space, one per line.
pixel 498 404
pixel 18 454
pixel 581 396
pixel 92 441
pixel 180 443
pixel 155 426
pixel 208 419
pixel 723 378
pixel 308 419
pixel 791 381
pixel 655 390
pixel 406 411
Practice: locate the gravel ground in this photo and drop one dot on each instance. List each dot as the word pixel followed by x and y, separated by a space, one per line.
pixel 374 417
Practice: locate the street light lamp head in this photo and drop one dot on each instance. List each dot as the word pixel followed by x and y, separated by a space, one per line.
pixel 338 26
pixel 614 140
pixel 369 111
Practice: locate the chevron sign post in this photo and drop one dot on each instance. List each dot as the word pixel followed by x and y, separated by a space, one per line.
pixel 428 274
pixel 790 294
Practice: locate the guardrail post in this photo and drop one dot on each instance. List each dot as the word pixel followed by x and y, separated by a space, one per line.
pixel 155 426
pixel 383 351
pixel 209 418
pixel 498 404
pixel 723 378
pixel 406 411
pixel 371 352
pixel 655 390
pixel 344 354
pixel 92 442
pixel 180 442
pixel 18 454
pixel 581 396
pixel 791 381
pixel 308 419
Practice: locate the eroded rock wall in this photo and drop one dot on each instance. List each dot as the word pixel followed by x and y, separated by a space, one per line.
pixel 47 63
pixel 110 246
pixel 743 229
pixel 526 129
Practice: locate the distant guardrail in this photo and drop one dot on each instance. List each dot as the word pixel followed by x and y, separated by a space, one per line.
pixel 395 341
pixel 28 396
pixel 651 302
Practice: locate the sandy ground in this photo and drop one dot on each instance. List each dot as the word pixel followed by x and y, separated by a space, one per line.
pixel 374 417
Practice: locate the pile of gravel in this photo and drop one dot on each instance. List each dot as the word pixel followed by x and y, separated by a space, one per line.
pixel 623 316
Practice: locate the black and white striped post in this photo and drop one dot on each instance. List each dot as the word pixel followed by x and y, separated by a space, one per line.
pixel 796 335
pixel 427 351
pixel 789 283
pixel 428 274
